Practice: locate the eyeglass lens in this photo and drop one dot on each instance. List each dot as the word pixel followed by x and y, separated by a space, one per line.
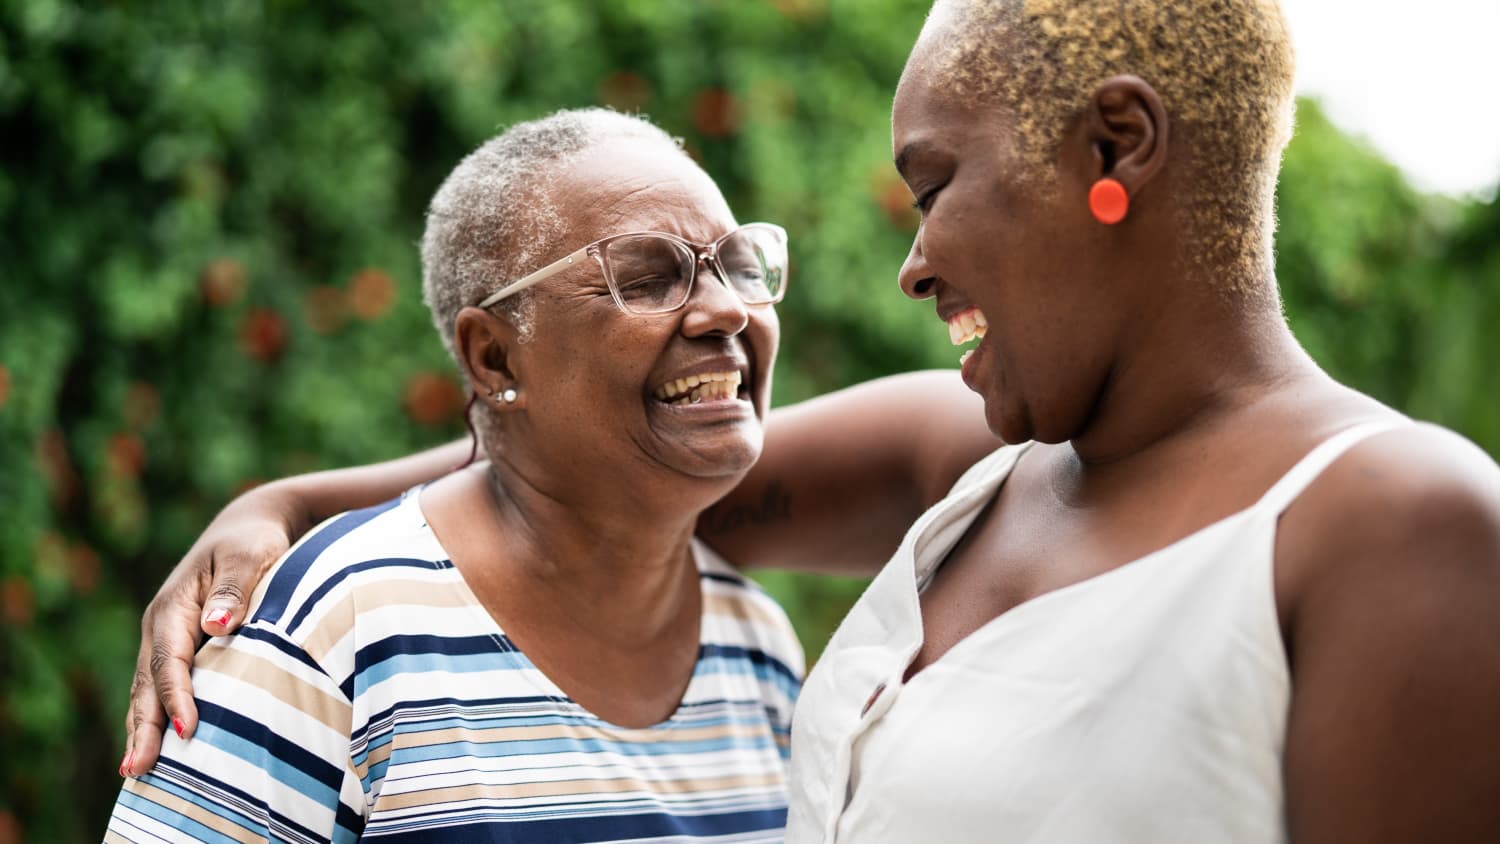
pixel 654 274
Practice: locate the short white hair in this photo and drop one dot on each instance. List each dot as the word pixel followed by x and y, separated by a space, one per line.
pixel 493 218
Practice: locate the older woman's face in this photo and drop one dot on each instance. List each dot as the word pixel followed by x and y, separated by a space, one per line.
pixel 995 248
pixel 593 373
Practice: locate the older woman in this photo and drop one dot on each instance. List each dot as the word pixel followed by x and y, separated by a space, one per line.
pixel 1211 594
pixel 536 648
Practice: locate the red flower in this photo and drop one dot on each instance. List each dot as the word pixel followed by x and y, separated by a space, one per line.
pixel 126 454
pixel 263 334
pixel 17 603
pixel 432 399
pixel 716 114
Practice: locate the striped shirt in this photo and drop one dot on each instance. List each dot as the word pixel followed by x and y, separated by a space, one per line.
pixel 372 695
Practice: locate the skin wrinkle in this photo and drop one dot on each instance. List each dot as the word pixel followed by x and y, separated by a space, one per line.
pixel 1223 67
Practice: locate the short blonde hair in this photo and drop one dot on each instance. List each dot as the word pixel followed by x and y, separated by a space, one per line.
pixel 1224 69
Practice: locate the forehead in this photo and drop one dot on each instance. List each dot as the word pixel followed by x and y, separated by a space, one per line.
pixel 921 97
pixel 634 184
pixel 924 115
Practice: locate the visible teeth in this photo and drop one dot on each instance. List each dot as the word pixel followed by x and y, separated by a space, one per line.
pixel 966 326
pixel 964 358
pixel 697 388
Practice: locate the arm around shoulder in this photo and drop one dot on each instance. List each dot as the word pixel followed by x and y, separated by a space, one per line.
pixel 842 476
pixel 1388 577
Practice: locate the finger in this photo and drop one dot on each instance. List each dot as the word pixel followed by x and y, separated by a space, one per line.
pixel 224 609
pixel 173 642
pixel 144 720
pixel 235 574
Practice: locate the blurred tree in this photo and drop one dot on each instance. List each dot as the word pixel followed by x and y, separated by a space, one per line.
pixel 208 278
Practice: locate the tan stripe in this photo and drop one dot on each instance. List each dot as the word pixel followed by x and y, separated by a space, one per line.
pixel 188 809
pixel 332 712
pixel 564 788
pixel 566 731
pixel 374 757
pixel 112 837
pixel 741 608
pixel 334 624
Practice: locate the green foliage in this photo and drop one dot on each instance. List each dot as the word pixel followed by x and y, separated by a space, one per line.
pixel 208 278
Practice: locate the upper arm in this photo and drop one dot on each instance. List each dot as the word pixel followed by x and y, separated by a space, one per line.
pixel 842 476
pixel 1391 568
pixel 270 754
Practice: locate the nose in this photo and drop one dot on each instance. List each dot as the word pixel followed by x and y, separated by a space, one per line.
pixel 713 308
pixel 917 279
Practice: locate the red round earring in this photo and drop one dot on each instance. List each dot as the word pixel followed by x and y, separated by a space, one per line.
pixel 1108 201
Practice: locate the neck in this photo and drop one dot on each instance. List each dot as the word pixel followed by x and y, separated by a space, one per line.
pixel 1199 355
pixel 614 557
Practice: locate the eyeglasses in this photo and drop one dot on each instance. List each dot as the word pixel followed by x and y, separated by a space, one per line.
pixel 653 272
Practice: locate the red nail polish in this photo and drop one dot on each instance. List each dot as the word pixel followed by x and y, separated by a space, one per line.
pixel 178 726
pixel 125 764
pixel 219 616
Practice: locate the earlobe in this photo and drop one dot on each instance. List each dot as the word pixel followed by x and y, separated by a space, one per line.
pixel 1127 129
pixel 484 343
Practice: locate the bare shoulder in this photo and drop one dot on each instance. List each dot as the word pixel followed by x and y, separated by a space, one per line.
pixel 1418 486
pixel 1388 580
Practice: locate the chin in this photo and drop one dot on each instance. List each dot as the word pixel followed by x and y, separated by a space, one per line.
pixel 1009 421
pixel 728 457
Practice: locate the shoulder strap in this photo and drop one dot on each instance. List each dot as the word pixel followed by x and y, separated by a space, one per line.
pixel 1286 490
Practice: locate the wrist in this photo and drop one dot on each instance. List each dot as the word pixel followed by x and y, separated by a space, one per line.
pixel 284 501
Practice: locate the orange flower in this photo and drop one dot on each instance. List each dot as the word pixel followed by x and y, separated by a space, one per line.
pixel 222 282
pixel 371 294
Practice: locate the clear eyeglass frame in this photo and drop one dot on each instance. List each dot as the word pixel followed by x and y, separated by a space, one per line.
pixel 703 253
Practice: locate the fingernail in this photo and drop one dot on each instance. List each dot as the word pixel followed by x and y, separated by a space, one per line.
pixel 125 765
pixel 178 726
pixel 219 616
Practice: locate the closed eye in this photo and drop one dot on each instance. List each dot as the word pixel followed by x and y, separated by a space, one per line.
pixel 924 199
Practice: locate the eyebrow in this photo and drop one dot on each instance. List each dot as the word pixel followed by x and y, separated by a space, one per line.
pixel 908 152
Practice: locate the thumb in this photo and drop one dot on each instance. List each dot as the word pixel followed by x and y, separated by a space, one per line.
pixel 235 575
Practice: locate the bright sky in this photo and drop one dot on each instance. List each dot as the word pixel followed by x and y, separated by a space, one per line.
pixel 1418 79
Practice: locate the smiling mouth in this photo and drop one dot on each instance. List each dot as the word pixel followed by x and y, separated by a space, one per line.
pixel 696 389
pixel 966 325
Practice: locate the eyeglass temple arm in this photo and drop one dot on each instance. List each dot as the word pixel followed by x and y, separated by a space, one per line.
pixel 546 272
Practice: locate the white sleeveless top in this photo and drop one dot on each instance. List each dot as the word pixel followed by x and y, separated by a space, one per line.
pixel 1147 704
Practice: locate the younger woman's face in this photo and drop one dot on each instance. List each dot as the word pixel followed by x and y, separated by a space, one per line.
pixel 1009 254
